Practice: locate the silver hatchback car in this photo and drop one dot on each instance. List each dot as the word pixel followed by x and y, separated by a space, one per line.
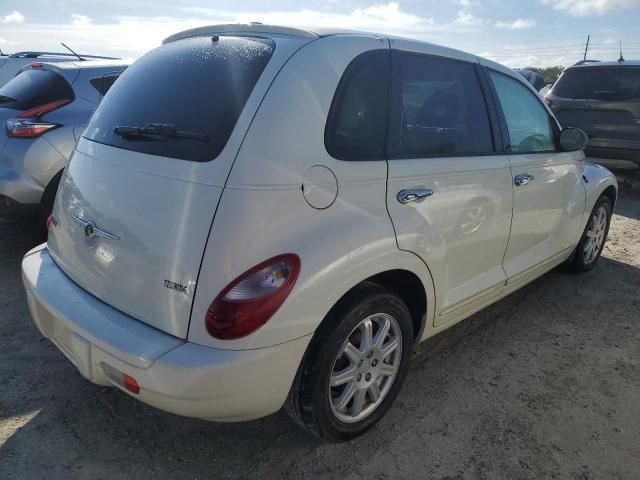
pixel 43 111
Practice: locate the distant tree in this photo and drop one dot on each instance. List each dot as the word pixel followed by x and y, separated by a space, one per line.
pixel 550 74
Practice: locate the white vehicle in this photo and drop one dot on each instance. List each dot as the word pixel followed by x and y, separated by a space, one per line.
pixel 259 216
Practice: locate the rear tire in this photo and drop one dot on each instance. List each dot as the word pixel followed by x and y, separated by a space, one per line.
pixel 594 237
pixel 345 383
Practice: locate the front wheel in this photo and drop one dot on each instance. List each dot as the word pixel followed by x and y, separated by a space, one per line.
pixel 355 365
pixel 594 237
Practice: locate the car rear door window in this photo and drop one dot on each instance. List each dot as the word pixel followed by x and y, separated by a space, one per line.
pixel 530 126
pixel 438 108
pixel 33 88
pixel 103 83
pixel 195 86
pixel 599 83
pixel 357 121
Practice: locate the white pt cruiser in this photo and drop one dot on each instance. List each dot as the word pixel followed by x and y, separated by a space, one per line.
pixel 259 216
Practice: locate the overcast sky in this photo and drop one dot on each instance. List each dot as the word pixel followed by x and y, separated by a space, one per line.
pixel 515 32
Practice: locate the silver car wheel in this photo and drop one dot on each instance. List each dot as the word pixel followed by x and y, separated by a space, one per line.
pixel 595 235
pixel 366 367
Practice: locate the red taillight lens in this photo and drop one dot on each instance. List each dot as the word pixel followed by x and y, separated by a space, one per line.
pixel 130 383
pixel 28 123
pixel 250 300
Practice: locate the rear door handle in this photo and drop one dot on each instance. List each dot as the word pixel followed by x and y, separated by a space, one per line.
pixel 521 180
pixel 406 196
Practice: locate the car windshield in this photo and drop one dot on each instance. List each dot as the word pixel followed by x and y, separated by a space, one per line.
pixel 599 83
pixel 33 88
pixel 182 100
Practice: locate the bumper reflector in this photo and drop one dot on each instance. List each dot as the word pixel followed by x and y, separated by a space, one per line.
pixel 130 383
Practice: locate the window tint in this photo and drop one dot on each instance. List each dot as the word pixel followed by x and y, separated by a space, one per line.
pixel 601 83
pixel 33 88
pixel 529 124
pixel 356 126
pixel 438 107
pixel 192 91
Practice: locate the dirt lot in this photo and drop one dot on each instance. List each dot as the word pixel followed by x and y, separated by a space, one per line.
pixel 545 384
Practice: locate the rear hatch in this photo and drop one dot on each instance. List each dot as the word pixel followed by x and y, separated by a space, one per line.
pixel 603 101
pixel 134 211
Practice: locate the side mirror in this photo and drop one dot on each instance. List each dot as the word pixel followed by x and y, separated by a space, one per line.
pixel 573 139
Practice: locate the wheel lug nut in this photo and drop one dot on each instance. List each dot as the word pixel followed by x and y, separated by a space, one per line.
pixel 359 376
pixel 374 363
pixel 367 377
pixel 369 354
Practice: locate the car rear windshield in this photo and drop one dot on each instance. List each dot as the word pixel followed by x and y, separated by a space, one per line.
pixel 33 88
pixel 189 92
pixel 599 83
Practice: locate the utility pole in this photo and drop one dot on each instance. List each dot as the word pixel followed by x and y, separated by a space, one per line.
pixel 586 48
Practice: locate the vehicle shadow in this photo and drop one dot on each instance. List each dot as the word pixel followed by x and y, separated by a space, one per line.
pixel 508 377
pixel 628 204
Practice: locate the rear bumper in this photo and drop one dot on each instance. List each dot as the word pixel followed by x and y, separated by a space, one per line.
pixel 174 375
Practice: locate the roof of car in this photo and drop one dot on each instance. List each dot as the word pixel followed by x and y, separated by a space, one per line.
pixel 591 65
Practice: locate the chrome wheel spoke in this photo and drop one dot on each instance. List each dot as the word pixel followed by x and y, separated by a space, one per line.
pixel 366 340
pixel 340 378
pixel 389 348
pixel 387 370
pixel 352 353
pixel 358 402
pixel 382 333
pixel 374 392
pixel 345 397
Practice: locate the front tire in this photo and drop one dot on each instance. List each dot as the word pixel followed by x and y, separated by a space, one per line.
pixel 355 365
pixel 594 237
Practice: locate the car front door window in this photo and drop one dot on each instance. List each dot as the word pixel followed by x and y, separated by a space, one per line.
pixel 529 124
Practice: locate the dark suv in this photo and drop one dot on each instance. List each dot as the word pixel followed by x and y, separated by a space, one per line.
pixel 603 99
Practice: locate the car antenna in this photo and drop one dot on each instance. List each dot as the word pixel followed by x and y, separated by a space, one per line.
pixel 65 46
pixel 621 59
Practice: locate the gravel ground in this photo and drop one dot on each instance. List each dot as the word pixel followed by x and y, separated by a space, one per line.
pixel 544 384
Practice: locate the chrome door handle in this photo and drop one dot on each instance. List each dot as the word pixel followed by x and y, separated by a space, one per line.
pixel 406 196
pixel 521 180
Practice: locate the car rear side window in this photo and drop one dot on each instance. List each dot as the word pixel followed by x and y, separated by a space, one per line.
pixel 182 100
pixel 33 88
pixel 103 83
pixel 438 108
pixel 357 122
pixel 530 126
pixel 599 83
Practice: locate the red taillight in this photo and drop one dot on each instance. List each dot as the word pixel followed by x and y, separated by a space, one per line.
pixel 28 123
pixel 130 383
pixel 250 300
pixel 37 66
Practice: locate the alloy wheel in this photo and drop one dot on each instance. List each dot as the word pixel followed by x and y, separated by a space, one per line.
pixel 365 368
pixel 595 235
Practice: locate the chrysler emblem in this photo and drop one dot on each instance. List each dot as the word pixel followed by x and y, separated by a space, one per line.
pixel 88 230
pixel 91 230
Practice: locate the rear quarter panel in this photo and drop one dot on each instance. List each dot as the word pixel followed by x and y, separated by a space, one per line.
pixel 263 211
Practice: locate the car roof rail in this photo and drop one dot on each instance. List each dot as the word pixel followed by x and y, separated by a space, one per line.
pixel 30 54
